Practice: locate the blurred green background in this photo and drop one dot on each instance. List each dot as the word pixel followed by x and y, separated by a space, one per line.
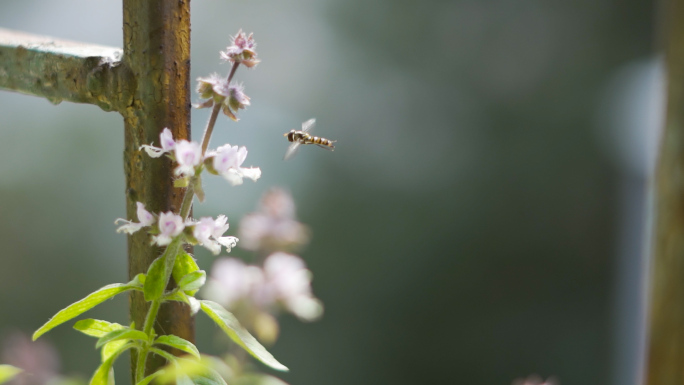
pixel 480 219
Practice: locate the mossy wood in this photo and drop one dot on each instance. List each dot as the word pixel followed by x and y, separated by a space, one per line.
pixel 148 83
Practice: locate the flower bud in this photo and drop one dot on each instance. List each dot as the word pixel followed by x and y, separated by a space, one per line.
pixel 242 50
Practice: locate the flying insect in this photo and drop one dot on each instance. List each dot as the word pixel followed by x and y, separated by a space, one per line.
pixel 299 137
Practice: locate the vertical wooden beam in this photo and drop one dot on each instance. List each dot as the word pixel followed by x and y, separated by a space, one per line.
pixel 157 52
pixel 666 343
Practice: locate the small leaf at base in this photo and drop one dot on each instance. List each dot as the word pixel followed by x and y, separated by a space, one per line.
pixel 123 334
pixel 95 327
pixel 155 280
pixel 193 281
pixel 178 343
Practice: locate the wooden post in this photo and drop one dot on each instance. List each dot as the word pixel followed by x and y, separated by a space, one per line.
pixel 157 52
pixel 666 335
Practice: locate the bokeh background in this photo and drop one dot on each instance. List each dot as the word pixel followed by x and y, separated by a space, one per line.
pixel 483 217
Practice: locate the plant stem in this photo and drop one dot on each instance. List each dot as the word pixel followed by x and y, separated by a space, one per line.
pixel 187 199
pixel 148 328
pixel 214 114
pixel 206 137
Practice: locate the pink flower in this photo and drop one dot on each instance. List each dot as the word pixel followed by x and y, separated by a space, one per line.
pixel 231 281
pixel 188 156
pixel 242 50
pixel 290 283
pixel 209 233
pixel 216 90
pixel 228 161
pixel 273 227
pixel 167 145
pixel 170 226
pixel 283 282
pixel 145 217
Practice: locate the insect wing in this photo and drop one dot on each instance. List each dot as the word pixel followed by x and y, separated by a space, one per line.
pixel 291 150
pixel 329 148
pixel 308 125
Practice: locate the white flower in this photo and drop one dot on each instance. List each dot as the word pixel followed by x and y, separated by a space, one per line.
pixel 170 226
pixel 167 145
pixel 231 280
pixel 228 242
pixel 188 156
pixel 290 282
pixel 220 226
pixel 227 162
pixel 202 232
pixel 284 280
pixel 144 216
pixel 166 139
pixel 209 233
pixel 129 227
pixel 273 226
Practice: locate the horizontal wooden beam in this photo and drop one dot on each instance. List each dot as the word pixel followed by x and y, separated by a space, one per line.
pixel 64 70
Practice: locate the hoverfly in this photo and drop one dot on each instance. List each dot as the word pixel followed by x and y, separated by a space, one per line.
pixel 303 137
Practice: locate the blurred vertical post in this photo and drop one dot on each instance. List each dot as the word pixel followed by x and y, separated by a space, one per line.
pixel 157 52
pixel 666 335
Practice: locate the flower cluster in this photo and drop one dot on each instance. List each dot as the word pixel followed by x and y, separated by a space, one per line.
pixel 206 232
pixel 226 160
pixel 283 282
pixel 273 226
pixel 242 50
pixel 217 90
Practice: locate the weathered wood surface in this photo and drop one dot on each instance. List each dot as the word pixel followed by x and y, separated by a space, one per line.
pixel 64 70
pixel 666 328
pixel 157 52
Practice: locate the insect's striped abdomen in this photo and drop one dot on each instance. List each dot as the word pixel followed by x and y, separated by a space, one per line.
pixel 322 141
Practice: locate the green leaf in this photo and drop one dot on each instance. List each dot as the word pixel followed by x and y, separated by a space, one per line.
pixel 139 280
pixel 8 372
pixel 184 265
pixel 230 325
pixel 111 348
pixel 181 182
pixel 182 297
pixel 182 379
pixel 178 343
pixel 80 307
pixel 155 282
pixel 123 334
pixel 199 372
pixel 168 356
pixel 209 377
pixel 193 281
pixel 151 377
pixel 95 327
pixel 104 374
